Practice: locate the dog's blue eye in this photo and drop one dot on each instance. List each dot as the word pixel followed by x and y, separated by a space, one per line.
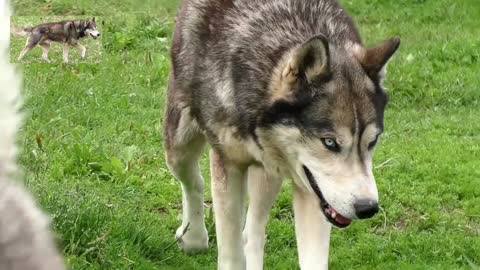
pixel 331 144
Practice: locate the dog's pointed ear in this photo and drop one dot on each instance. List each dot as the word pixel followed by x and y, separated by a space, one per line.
pixel 311 60
pixel 374 59
pixel 93 19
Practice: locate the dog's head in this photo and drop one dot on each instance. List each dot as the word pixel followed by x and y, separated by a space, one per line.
pixel 91 28
pixel 325 118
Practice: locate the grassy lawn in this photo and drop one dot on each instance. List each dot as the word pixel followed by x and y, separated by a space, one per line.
pixel 93 154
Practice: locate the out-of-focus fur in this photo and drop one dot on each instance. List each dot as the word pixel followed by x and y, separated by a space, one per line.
pixel 26 242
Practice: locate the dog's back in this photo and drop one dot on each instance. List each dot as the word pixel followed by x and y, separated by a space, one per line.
pixel 54 31
pixel 235 46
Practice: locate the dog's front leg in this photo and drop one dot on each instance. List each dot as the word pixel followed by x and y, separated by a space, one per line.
pixel 228 193
pixel 82 49
pixel 312 231
pixel 45 48
pixel 65 52
pixel 262 191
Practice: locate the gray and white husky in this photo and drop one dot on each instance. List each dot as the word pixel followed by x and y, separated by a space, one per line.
pixel 26 242
pixel 68 32
pixel 278 88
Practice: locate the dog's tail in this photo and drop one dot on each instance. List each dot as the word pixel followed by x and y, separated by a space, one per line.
pixel 21 31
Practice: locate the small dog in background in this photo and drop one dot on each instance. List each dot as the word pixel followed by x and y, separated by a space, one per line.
pixel 68 32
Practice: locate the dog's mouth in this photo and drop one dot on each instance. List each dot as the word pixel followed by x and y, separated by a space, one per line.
pixel 93 36
pixel 330 213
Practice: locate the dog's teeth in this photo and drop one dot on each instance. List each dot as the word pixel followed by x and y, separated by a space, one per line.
pixel 334 215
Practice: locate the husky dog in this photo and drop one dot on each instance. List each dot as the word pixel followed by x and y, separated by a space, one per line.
pixel 67 32
pixel 25 239
pixel 278 89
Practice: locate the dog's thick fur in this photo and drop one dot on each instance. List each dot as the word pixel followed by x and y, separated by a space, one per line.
pixel 278 88
pixel 68 32
pixel 25 239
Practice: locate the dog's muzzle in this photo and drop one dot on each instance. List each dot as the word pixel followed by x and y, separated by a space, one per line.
pixel 330 213
pixel 95 34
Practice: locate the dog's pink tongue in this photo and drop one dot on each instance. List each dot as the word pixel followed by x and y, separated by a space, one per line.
pixel 341 219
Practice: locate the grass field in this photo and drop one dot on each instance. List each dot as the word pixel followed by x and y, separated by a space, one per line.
pixel 93 155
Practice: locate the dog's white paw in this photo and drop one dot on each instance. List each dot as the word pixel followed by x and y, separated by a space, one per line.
pixel 194 240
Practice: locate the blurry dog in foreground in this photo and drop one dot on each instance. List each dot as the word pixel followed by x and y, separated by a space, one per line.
pixel 26 242
pixel 68 32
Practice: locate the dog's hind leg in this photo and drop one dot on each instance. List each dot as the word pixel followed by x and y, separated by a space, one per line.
pixel 82 49
pixel 65 52
pixel 228 194
pixel 184 144
pixel 32 41
pixel 45 48
pixel 23 52
pixel 312 231
pixel 262 191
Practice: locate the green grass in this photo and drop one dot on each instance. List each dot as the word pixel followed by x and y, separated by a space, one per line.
pixel 93 155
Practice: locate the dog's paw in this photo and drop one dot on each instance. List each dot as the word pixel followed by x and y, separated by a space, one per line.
pixel 192 240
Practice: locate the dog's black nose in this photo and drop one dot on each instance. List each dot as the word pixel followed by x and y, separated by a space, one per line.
pixel 98 35
pixel 365 208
